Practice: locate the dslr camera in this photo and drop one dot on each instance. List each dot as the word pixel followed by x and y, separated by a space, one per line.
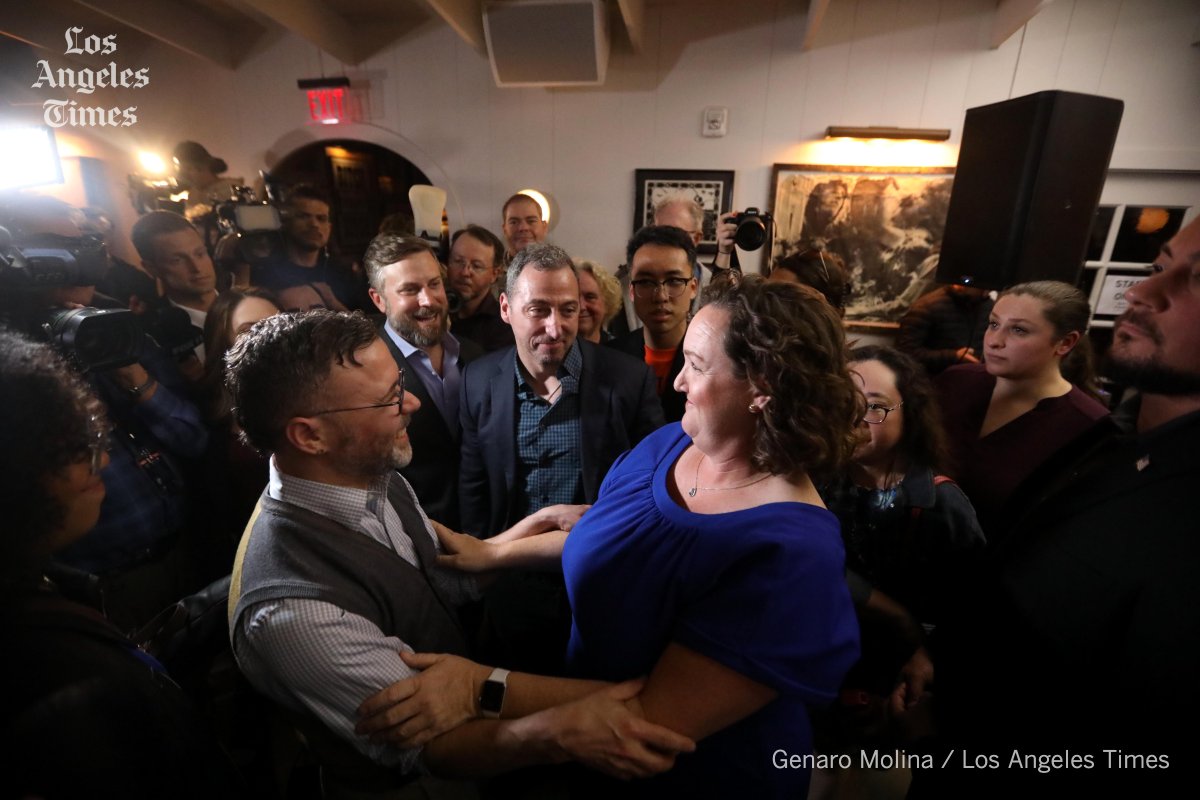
pixel 753 228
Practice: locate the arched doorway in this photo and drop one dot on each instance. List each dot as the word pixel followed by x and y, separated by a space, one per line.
pixel 365 182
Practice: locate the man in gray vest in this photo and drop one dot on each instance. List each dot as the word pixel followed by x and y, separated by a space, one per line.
pixel 336 574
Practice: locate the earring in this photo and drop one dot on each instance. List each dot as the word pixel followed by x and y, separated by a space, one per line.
pixel 754 409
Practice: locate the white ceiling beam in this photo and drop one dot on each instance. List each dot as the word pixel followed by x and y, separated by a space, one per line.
pixel 816 15
pixel 465 17
pixel 174 24
pixel 1011 15
pixel 633 14
pixel 317 22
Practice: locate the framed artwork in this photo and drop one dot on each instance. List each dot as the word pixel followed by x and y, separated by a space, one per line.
pixel 886 223
pixel 712 189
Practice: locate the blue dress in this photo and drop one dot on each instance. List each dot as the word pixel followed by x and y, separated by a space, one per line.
pixel 761 591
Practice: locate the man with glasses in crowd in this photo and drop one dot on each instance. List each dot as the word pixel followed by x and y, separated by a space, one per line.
pixel 336 575
pixel 662 287
pixel 476 261
pixel 686 214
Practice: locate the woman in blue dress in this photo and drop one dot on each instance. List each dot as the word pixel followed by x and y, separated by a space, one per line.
pixel 709 564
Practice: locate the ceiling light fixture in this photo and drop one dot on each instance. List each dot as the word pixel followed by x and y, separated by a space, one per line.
pixel 886 132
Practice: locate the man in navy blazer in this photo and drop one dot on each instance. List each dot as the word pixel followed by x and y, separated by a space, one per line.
pixel 541 424
pixel 408 285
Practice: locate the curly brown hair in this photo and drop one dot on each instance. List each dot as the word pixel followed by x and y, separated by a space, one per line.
pixel 789 343
pixel 923 442
pixel 274 372
pixel 51 417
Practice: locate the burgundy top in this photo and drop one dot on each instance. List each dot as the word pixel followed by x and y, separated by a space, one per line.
pixel 990 468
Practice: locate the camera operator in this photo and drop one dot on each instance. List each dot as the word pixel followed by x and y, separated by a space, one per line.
pixel 85 713
pixel 134 548
pixel 128 286
pixel 197 171
pixel 305 258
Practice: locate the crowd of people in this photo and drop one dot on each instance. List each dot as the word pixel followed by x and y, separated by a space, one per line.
pixel 499 522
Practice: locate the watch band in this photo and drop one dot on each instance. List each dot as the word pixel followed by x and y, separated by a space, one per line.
pixel 138 391
pixel 491 696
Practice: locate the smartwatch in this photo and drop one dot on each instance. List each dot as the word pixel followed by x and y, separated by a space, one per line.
pixel 491 696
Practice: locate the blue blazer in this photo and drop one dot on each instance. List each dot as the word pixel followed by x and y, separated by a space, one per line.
pixel 618 407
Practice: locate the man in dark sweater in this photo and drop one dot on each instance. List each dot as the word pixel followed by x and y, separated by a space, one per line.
pixel 336 575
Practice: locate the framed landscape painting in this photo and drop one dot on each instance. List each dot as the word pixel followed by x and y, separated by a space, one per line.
pixel 885 222
pixel 712 190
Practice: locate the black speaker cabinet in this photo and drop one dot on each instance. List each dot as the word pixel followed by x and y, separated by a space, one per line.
pixel 1030 172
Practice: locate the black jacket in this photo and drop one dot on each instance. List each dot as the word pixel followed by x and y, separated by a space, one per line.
pixel 433 471
pixel 618 408
pixel 634 344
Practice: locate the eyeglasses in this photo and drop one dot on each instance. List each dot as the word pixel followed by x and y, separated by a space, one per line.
pixel 478 269
pixel 877 414
pixel 646 288
pixel 398 402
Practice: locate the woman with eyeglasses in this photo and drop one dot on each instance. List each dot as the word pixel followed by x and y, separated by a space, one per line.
pixel 85 713
pixel 909 532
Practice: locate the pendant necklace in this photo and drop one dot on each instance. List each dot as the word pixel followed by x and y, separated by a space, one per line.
pixel 696 487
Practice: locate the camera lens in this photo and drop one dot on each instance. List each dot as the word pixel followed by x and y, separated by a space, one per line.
pixel 94 339
pixel 751 233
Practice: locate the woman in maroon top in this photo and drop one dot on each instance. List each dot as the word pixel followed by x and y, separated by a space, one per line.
pixel 234 472
pixel 1007 416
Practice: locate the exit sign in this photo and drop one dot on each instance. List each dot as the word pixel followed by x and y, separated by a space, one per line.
pixel 326 99
pixel 327 106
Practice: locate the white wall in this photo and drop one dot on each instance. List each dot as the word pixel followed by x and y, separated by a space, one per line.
pixel 885 62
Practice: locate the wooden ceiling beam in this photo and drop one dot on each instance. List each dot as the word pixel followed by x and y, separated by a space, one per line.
pixel 175 24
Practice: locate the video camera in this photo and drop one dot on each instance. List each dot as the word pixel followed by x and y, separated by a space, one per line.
pixel 249 229
pixel 33 261
pixel 154 194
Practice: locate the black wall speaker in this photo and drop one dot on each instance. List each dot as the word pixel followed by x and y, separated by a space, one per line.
pixel 1030 172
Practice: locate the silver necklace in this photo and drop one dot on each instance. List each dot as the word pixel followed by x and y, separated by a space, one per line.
pixel 696 487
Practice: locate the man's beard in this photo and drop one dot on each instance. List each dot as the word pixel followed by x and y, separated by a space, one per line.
pixel 421 337
pixel 1151 377
pixel 548 360
pixel 467 292
pixel 1148 374
pixel 374 458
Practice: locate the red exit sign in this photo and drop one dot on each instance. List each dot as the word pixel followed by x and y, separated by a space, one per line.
pixel 327 106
